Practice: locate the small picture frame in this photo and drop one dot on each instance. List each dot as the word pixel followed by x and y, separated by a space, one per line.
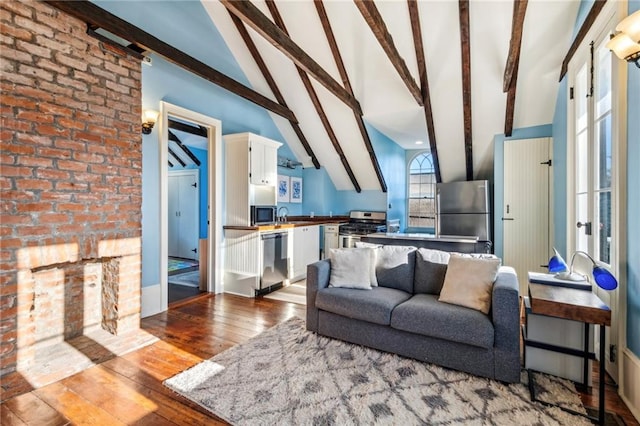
pixel 283 189
pixel 296 190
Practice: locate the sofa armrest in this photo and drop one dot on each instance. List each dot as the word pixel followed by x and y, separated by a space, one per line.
pixel 505 315
pixel 317 278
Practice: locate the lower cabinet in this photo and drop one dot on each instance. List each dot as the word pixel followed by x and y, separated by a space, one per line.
pixel 305 250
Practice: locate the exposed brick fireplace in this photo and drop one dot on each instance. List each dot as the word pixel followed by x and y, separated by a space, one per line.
pixel 71 163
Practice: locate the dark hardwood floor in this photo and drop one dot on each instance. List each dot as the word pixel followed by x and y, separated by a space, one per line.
pixel 128 389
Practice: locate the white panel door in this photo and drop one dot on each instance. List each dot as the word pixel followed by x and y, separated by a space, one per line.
pixel 173 218
pixel 526 209
pixel 183 214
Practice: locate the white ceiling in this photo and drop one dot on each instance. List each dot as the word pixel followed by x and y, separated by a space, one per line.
pixel 385 100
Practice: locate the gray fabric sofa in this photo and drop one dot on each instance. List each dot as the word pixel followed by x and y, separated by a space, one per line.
pixel 403 315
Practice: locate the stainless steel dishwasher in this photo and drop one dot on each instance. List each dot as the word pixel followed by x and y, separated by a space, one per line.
pixel 275 261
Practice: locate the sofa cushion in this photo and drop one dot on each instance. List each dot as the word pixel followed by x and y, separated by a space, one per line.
pixel 469 281
pixel 373 306
pixel 431 266
pixel 351 268
pixel 424 314
pixel 395 266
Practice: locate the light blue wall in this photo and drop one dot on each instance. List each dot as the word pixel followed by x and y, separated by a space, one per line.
pixel 498 176
pixel 633 203
pixel 393 165
pixel 164 81
pixel 321 197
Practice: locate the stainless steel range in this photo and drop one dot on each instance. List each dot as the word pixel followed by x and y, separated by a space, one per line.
pixel 363 223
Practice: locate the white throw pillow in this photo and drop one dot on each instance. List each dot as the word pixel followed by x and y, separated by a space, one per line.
pixel 375 248
pixel 469 282
pixel 350 268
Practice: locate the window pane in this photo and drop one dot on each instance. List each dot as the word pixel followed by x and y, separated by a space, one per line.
pixel 604 153
pixel 603 231
pixel 582 215
pixel 582 165
pixel 580 96
pixel 603 100
pixel 422 182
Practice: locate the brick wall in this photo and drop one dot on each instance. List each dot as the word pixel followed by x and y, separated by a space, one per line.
pixel 70 177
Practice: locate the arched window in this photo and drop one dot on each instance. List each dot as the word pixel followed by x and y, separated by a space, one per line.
pixel 422 190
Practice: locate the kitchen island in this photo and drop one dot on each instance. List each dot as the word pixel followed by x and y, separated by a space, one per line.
pixel 461 244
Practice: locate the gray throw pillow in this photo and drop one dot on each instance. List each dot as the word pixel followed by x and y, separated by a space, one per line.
pixel 431 267
pixel 429 276
pixel 395 267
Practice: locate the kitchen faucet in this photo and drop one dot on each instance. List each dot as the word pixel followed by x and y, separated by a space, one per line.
pixel 283 217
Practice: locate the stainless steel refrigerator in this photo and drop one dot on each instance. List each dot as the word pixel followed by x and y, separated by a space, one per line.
pixel 463 208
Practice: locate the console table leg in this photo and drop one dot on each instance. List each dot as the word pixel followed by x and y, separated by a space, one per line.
pixel 602 377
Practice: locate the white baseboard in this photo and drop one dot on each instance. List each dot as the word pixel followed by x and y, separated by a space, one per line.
pixel 151 303
pixel 630 389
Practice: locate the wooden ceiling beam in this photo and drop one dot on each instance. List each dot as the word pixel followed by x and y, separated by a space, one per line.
pixel 416 31
pixel 96 17
pixel 253 17
pixel 463 7
pixel 582 33
pixel 373 18
pixel 187 128
pixel 316 101
pixel 511 103
pixel 515 45
pixel 510 82
pixel 257 57
pixel 183 147
pixel 331 39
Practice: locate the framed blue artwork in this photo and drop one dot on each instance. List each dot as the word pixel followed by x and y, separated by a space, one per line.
pixel 296 190
pixel 283 189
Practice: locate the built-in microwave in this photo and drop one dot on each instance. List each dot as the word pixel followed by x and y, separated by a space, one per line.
pixel 263 215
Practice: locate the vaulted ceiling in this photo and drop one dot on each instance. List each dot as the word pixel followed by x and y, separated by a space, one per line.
pixel 449 73
pixel 385 94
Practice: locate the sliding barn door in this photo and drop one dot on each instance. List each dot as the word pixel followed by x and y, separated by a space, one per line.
pixel 526 212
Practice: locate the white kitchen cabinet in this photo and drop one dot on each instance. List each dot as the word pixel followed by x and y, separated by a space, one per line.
pixel 264 162
pixel 251 175
pixel 306 248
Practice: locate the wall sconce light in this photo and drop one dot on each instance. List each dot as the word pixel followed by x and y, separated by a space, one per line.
pixel 626 44
pixel 602 276
pixel 149 118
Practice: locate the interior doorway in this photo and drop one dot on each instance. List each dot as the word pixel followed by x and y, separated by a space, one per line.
pixel 190 204
pixel 184 231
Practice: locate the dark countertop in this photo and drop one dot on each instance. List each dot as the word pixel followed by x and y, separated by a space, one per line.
pixel 430 237
pixel 293 222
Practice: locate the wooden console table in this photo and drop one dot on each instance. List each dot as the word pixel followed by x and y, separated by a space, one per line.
pixel 577 305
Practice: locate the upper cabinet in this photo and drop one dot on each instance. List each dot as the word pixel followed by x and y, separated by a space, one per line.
pixel 264 161
pixel 251 175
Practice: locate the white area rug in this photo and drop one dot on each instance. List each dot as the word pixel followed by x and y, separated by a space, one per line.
pixel 289 376
pixel 294 293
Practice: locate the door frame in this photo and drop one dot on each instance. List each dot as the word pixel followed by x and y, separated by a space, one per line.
pixel 214 217
pixel 611 14
pixel 195 174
